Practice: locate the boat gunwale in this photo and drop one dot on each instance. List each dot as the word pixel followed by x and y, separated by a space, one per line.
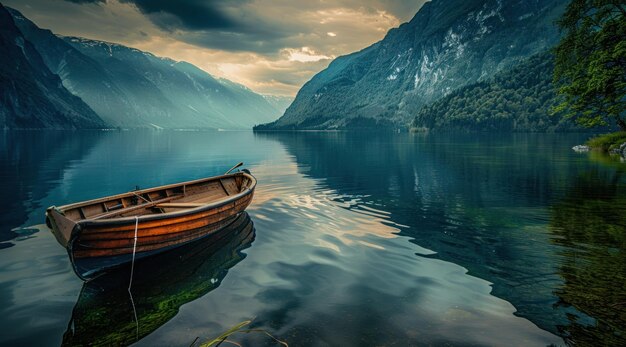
pixel 151 217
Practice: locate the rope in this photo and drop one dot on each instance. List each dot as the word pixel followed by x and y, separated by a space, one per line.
pixel 132 266
pixel 132 271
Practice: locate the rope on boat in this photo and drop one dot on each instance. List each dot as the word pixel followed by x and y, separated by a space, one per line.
pixel 132 271
pixel 132 266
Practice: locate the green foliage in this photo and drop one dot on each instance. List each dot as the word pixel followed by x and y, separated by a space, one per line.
pixel 518 99
pixel 607 141
pixel 590 68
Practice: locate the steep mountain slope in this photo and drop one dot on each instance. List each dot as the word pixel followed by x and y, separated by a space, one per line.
pixel 448 44
pixel 131 88
pixel 31 96
pixel 516 99
pixel 279 102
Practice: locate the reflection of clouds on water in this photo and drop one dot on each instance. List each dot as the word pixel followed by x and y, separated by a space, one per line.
pixel 332 262
pixel 329 267
pixel 471 199
pixel 343 219
pixel 342 293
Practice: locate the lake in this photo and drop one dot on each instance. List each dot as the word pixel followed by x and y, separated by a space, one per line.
pixel 351 239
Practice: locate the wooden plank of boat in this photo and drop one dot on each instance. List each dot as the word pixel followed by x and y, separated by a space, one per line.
pixel 160 218
pixel 179 205
pixel 137 207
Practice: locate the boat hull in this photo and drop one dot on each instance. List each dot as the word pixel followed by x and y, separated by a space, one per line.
pixel 88 267
pixel 95 245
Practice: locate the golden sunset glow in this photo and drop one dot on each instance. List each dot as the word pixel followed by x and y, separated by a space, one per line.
pixel 272 47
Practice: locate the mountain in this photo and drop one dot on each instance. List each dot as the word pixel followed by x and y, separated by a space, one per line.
pixel 516 99
pixel 31 96
pixel 130 88
pixel 447 45
pixel 279 102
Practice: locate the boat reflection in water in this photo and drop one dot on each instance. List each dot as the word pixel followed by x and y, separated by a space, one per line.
pixel 104 313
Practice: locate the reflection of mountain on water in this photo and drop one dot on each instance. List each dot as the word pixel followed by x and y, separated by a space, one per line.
pixel 478 201
pixel 161 284
pixel 590 224
pixel 30 167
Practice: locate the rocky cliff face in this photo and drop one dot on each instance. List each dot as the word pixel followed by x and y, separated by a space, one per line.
pixel 447 45
pixel 518 99
pixel 31 96
pixel 130 88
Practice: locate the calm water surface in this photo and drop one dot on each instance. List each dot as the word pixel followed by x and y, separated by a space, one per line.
pixel 352 239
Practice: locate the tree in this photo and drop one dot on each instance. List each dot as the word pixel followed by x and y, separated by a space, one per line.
pixel 590 65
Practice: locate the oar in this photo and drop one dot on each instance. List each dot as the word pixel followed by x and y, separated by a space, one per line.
pixel 233 168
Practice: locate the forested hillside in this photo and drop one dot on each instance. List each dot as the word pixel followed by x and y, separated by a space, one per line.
pixel 447 45
pixel 519 99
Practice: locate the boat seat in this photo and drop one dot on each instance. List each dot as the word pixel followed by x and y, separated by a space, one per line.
pixel 179 205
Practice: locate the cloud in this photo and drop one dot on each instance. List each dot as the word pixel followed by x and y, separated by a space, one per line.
pixel 87 1
pixel 100 20
pixel 263 42
pixel 304 55
pixel 187 14
pixel 271 46
pixel 267 26
pixel 283 77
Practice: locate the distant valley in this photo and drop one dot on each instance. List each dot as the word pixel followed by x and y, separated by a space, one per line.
pixel 99 84
pixel 468 65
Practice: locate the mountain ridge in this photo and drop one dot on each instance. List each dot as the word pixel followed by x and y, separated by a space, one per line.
pixel 31 96
pixel 130 88
pixel 446 45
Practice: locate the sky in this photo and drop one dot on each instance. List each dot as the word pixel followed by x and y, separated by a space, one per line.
pixel 270 46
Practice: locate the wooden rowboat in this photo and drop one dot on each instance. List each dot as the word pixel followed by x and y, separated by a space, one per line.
pixel 105 233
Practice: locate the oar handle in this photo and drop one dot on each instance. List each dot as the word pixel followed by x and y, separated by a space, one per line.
pixel 233 168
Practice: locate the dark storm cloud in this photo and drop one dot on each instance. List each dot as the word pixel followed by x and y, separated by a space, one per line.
pixel 264 40
pixel 86 1
pixel 218 24
pixel 187 14
pixel 262 27
pixel 212 14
